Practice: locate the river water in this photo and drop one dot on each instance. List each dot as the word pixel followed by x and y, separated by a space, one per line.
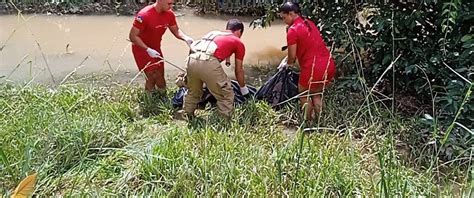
pixel 98 44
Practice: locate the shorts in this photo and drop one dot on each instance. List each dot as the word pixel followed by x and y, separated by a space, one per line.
pixel 314 77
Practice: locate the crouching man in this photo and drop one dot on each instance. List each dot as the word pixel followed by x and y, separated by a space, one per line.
pixel 204 66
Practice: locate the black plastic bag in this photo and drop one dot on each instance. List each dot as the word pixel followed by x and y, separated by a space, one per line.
pixel 280 87
pixel 207 97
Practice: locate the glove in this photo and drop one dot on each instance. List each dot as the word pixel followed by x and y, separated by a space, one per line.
pixel 283 64
pixel 244 90
pixel 152 53
pixel 188 40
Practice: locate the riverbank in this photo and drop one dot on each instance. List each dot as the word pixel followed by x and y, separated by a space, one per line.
pixel 66 8
pixel 86 138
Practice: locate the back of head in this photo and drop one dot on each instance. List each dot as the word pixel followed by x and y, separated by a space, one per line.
pixel 235 25
pixel 288 7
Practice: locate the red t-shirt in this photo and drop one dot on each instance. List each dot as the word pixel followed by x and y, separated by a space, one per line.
pixel 309 44
pixel 152 25
pixel 228 45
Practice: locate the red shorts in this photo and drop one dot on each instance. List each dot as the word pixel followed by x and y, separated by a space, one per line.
pixel 145 62
pixel 313 77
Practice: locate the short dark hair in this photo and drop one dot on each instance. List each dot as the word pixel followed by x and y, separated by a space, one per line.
pixel 287 7
pixel 234 25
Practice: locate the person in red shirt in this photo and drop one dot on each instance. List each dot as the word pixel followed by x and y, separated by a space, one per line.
pixel 306 45
pixel 204 66
pixel 149 25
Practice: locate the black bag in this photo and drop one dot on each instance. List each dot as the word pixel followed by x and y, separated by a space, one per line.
pixel 280 87
pixel 207 97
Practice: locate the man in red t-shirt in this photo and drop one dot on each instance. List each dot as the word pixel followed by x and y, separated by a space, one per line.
pixel 204 66
pixel 306 44
pixel 148 28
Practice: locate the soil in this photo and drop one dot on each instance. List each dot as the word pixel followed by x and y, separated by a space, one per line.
pixel 63 8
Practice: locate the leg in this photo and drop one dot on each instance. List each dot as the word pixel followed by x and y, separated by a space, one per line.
pixel 220 87
pixel 160 72
pixel 306 99
pixel 323 75
pixel 315 90
pixel 145 64
pixel 317 104
pixel 150 80
pixel 306 103
pixel 313 83
pixel 192 98
pixel 160 77
pixel 222 91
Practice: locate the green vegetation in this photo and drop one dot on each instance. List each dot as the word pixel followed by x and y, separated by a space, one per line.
pixel 95 137
pixel 417 57
pixel 99 140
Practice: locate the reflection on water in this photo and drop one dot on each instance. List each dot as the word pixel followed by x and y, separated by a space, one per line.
pixel 98 44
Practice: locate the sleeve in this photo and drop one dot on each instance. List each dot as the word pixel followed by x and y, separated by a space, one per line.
pixel 172 18
pixel 291 36
pixel 139 22
pixel 240 52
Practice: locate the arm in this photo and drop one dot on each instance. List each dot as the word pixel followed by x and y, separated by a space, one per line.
pixel 179 34
pixel 133 36
pixel 291 54
pixel 239 72
pixel 291 40
pixel 139 25
pixel 239 68
pixel 135 39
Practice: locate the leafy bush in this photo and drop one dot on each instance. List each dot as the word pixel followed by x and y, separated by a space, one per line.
pixel 434 43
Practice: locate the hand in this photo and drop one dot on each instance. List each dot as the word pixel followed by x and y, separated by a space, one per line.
pixel 283 64
pixel 181 80
pixel 244 90
pixel 188 40
pixel 153 53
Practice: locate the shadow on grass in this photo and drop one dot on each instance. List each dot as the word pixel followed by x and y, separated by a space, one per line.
pixel 153 104
pixel 211 119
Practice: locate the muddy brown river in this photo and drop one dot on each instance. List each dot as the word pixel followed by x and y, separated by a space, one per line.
pixel 98 44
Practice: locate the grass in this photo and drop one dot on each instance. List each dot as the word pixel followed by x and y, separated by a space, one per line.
pixel 86 140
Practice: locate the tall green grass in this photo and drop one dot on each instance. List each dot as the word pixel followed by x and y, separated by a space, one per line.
pixel 85 140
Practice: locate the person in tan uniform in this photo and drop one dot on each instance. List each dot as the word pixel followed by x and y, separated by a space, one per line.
pixel 204 66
